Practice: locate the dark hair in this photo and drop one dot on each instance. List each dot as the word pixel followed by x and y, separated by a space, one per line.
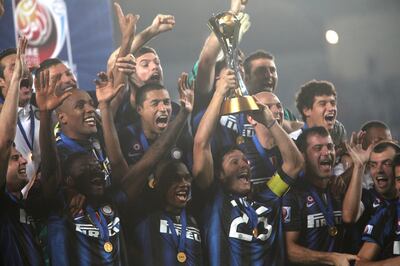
pixel 253 56
pixel 142 92
pixel 166 174
pixel 374 124
pixel 144 50
pixel 67 166
pixel 46 64
pixel 4 53
pixel 219 155
pixel 301 141
pixel 396 161
pixel 305 96
pixel 383 145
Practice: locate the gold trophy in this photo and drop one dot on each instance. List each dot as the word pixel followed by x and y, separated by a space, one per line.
pixel 226 27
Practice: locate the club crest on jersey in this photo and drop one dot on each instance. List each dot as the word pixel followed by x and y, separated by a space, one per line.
pixel 107 210
pixel 368 229
pixel 136 147
pixel 310 201
pixel 376 203
pixel 286 214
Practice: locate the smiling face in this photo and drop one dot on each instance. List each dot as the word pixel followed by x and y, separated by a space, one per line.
pixel 67 79
pixel 87 176
pixel 322 113
pixel 380 167
pixel 235 174
pixel 178 188
pixel 16 171
pixel 148 68
pixel 155 112
pixel 273 103
pixel 76 115
pixel 262 76
pixel 319 156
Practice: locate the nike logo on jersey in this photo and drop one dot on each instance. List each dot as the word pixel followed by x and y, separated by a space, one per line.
pixel 318 219
pixel 191 232
pixel 93 231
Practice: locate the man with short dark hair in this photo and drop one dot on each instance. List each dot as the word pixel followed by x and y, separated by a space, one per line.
pixel 18 243
pixel 238 230
pixel 27 135
pixel 381 234
pixel 313 218
pixel 316 102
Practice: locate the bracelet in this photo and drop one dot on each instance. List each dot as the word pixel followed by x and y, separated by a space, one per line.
pixel 271 124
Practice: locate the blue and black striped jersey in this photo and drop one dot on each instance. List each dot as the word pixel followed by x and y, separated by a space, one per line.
pixel 18 243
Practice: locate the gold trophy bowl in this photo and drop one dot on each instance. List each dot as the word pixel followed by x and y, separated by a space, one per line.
pixel 226 27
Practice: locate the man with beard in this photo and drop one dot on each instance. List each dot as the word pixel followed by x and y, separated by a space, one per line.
pixel 382 194
pixel 375 131
pixel 238 230
pixel 18 244
pixel 313 218
pixel 27 135
pixel 316 102
pixel 381 235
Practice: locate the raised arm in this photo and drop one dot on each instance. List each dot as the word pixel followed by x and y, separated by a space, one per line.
pixel 208 56
pixel 105 92
pixel 135 180
pixel 127 25
pixel 293 161
pixel 351 209
pixel 47 101
pixel 8 115
pixel 203 167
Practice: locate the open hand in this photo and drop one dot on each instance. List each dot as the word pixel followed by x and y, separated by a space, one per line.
pixel 186 93
pixel 127 23
pixel 105 90
pixel 20 68
pixel 46 98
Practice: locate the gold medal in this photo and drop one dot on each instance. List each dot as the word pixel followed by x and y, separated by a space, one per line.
pixel 255 232
pixel 181 257
pixel 239 140
pixel 108 247
pixel 152 183
pixel 332 231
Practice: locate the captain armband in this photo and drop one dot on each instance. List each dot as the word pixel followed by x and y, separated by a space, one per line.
pixel 277 185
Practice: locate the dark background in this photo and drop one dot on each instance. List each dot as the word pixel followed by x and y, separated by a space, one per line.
pixel 364 65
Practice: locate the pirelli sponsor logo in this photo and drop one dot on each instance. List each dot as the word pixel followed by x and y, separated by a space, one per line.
pixel 318 220
pixel 191 232
pixel 93 231
pixel 396 248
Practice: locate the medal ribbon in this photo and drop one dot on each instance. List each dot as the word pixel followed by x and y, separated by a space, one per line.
pixel 266 155
pixel 327 211
pixel 32 129
pixel 249 211
pixel 143 141
pixel 100 222
pixel 179 241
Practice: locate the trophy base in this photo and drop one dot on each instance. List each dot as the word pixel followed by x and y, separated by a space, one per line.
pixel 238 104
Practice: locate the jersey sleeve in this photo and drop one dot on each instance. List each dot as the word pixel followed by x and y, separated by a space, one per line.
pixel 291 212
pixel 379 228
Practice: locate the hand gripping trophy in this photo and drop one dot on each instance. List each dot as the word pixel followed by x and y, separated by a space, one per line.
pixel 226 27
